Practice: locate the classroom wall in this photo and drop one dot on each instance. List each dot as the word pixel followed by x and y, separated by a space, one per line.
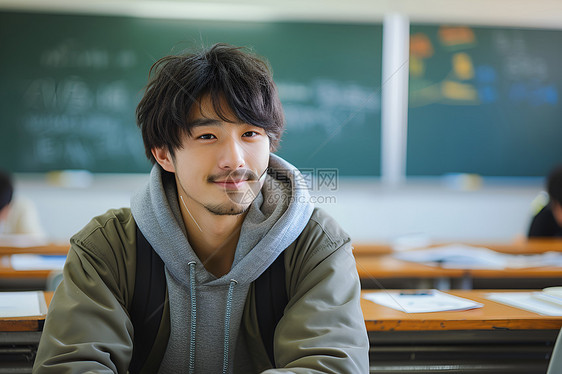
pixel 367 210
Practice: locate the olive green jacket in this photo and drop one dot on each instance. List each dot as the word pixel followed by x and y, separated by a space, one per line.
pixel 88 328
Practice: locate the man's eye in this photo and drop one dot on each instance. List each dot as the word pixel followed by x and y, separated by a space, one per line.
pixel 250 134
pixel 206 137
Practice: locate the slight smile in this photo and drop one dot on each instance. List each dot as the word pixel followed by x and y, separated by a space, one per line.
pixel 231 185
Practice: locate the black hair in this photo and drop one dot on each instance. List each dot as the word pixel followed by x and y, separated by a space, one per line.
pixel 243 80
pixel 6 189
pixel 554 184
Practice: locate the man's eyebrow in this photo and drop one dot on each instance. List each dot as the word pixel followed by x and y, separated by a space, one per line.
pixel 205 122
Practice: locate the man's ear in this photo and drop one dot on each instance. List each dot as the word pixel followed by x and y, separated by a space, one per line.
pixel 164 158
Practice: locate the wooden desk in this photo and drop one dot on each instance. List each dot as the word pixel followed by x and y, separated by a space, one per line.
pixel 528 246
pixel 28 279
pixel 19 338
pixel 369 249
pixel 23 280
pixel 496 338
pixel 381 268
pixel 8 272
pixel 384 266
pixel 31 323
pixel 491 316
pixel 525 246
pixel 388 267
pixel 49 249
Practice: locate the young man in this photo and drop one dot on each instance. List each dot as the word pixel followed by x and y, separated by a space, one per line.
pixel 218 209
pixel 548 221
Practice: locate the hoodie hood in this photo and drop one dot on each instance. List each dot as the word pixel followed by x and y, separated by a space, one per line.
pixel 274 220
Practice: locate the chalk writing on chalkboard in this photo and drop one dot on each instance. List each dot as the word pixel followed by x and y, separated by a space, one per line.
pixel 469 80
pixel 325 104
pixel 72 95
pixel 69 53
pixel 484 101
pixel 69 121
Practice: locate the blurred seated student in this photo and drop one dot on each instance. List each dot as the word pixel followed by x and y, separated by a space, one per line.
pixel 548 221
pixel 18 215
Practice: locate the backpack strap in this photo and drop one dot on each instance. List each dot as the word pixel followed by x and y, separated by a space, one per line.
pixel 148 301
pixel 271 300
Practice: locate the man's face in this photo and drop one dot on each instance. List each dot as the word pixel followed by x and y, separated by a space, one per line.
pixel 219 166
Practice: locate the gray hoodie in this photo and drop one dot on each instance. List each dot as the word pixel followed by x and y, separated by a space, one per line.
pixel 205 312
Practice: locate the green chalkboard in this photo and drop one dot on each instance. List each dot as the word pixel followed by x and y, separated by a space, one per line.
pixel 71 83
pixel 484 100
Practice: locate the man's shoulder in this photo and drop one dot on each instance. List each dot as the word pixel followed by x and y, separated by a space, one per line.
pixel 322 234
pixel 112 227
pixel 324 224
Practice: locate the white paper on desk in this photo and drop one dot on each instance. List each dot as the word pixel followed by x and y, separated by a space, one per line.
pixel 460 256
pixel 456 256
pixel 421 301
pixel 22 304
pixel 26 261
pixel 531 261
pixel 531 301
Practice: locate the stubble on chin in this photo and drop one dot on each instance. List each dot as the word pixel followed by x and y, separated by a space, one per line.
pixel 239 201
pixel 227 209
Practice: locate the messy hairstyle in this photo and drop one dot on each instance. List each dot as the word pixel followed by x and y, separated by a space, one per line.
pixel 554 184
pixel 234 74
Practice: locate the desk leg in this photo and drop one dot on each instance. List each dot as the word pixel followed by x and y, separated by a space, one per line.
pixel 466 282
pixel 442 283
pixel 424 283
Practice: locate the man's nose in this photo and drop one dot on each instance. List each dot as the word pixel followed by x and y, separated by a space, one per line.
pixel 232 155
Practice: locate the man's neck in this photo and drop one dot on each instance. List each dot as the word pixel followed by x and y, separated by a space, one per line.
pixel 213 237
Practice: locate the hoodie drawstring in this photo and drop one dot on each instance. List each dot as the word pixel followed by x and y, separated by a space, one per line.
pixel 193 317
pixel 228 313
pixel 227 324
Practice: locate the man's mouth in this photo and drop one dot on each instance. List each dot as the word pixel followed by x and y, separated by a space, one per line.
pixel 230 184
pixel 235 180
